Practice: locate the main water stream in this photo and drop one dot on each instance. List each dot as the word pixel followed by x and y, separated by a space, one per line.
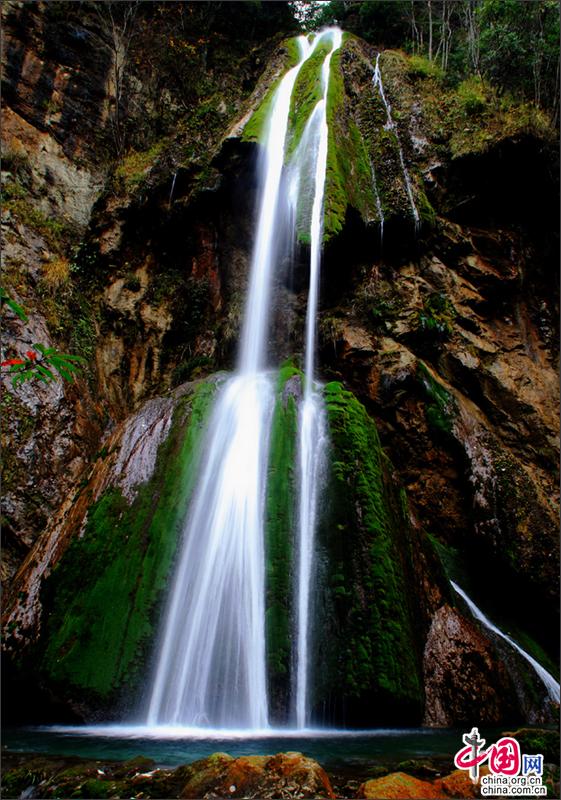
pixel 211 661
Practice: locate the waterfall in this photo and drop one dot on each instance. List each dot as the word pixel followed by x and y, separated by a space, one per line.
pixel 546 678
pixel 391 126
pixel 210 668
pixel 312 425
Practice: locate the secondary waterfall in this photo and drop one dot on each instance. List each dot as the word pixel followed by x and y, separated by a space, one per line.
pixel 391 126
pixel 312 427
pixel 211 665
pixel 546 678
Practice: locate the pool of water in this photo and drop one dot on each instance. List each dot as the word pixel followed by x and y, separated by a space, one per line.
pixel 169 747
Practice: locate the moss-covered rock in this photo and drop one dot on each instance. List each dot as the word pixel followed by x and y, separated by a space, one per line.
pixel 102 600
pixel 368 633
pixel 280 510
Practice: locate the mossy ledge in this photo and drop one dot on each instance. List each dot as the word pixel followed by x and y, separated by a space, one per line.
pixel 255 128
pixel 98 638
pixel 368 636
pixel 280 517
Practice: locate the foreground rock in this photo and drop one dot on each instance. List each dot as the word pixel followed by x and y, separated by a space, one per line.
pixel 220 775
pixel 402 786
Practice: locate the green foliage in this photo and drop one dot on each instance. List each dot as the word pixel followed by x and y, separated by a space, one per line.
pixel 41 369
pixel 31 366
pixel 382 311
pixel 520 47
pixel 472 96
pixel 383 22
pixel 421 67
pixel 97 638
pixel 435 321
pixel 5 299
pixel 441 408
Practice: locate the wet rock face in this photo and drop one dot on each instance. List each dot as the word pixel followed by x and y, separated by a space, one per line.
pixel 463 678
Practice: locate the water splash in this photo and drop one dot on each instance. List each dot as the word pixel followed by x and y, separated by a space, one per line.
pixel 391 126
pixel 546 678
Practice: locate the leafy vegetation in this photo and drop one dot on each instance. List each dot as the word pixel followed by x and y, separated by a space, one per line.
pixel 514 44
pixel 39 362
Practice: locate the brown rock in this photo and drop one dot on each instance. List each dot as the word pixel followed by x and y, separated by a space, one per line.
pixel 463 680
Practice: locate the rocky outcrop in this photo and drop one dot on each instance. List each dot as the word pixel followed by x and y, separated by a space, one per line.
pixel 463 678
pixel 131 511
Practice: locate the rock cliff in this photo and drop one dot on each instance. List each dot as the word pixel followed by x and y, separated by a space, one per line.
pixel 129 175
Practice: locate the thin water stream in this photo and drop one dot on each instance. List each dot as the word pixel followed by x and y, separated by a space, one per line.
pixel 312 423
pixel 546 678
pixel 391 126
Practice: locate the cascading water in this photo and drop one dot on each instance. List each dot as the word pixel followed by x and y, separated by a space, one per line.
pixel 312 427
pixel 211 664
pixel 548 680
pixel 391 126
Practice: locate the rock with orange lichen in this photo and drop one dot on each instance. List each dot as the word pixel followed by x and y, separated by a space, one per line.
pixel 400 786
pixel 282 775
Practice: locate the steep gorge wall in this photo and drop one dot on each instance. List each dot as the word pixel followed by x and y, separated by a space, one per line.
pixel 446 336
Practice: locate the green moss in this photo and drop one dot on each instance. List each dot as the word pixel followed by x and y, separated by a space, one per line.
pixel 255 128
pixel 280 511
pixel 441 408
pixel 348 179
pixel 103 597
pixel 58 234
pixel 377 657
pixel 306 94
pixel 421 67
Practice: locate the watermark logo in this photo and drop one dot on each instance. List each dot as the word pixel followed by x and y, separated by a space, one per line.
pixel 511 773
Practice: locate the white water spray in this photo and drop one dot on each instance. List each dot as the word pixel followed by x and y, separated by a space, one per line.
pixel 391 126
pixel 546 678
